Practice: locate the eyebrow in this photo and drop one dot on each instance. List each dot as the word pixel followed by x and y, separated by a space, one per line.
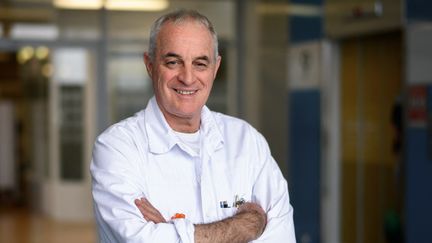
pixel 172 54
pixel 175 55
pixel 204 58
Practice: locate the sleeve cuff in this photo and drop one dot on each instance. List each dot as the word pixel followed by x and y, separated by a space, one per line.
pixel 185 229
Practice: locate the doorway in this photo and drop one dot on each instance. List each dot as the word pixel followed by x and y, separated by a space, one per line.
pixel 371 83
pixel 24 83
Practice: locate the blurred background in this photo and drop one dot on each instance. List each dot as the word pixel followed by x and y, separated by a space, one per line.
pixel 342 90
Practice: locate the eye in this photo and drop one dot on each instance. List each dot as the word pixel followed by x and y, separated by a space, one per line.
pixel 172 63
pixel 201 65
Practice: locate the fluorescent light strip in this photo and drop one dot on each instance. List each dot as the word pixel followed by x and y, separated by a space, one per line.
pixel 125 5
pixel 22 31
pixel 79 4
pixel 136 5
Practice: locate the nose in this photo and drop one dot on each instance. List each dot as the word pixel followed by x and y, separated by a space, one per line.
pixel 186 75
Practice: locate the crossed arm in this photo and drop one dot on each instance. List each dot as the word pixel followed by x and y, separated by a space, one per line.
pixel 246 225
pixel 117 180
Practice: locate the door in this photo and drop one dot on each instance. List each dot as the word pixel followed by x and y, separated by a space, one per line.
pixel 71 133
pixel 371 77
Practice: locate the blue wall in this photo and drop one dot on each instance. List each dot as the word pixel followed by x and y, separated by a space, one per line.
pixel 304 151
pixel 418 141
pixel 305 28
pixel 419 187
pixel 418 198
pixel 418 10
pixel 304 116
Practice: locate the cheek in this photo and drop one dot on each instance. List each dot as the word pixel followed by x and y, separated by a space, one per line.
pixel 161 80
pixel 209 83
pixel 166 77
pixel 206 79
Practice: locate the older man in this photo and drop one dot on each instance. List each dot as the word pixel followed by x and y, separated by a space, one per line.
pixel 177 172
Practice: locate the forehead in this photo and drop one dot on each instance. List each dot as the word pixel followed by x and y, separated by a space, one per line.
pixel 185 36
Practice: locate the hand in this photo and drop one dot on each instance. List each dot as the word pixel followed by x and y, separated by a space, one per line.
pixel 149 212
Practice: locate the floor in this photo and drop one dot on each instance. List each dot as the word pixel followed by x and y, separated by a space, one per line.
pixel 19 225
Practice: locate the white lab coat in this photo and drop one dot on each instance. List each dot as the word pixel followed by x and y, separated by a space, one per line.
pixel 142 157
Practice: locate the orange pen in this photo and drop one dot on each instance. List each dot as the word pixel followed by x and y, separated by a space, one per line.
pixel 178 216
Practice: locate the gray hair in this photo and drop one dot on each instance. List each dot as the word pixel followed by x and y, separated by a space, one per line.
pixel 177 17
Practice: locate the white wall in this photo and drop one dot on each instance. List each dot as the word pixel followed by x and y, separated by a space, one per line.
pixel 419 53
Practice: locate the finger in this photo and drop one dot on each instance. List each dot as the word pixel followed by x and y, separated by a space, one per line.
pixel 154 217
pixel 137 202
pixel 149 207
pixel 142 209
pixel 149 212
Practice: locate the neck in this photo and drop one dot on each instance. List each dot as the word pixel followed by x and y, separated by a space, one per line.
pixel 185 125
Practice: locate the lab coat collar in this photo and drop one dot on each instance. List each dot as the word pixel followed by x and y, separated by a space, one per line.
pixel 211 131
pixel 162 139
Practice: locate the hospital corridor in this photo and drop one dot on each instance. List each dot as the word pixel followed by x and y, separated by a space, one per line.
pixel 341 91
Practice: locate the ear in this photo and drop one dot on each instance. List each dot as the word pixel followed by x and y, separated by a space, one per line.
pixel 148 63
pixel 217 65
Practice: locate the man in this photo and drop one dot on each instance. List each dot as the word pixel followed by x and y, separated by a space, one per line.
pixel 177 172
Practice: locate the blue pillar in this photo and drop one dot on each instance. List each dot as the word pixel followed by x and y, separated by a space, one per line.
pixel 418 138
pixel 304 116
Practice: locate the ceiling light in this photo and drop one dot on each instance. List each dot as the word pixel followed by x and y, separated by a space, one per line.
pixel 79 4
pixel 42 52
pixel 24 54
pixel 125 5
pixel 137 5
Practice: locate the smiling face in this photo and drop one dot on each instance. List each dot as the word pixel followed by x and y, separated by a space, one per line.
pixel 183 71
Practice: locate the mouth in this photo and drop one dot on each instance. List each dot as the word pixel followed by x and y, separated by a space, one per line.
pixel 185 92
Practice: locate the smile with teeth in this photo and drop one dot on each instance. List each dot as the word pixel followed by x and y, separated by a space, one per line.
pixel 185 92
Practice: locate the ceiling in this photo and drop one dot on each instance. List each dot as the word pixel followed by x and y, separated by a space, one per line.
pixel 44 11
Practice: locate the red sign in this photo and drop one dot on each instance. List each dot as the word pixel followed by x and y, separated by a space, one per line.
pixel 417 106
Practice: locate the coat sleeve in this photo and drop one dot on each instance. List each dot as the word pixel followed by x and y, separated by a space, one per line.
pixel 115 185
pixel 270 190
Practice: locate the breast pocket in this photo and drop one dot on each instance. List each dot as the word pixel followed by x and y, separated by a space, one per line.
pixel 230 196
pixel 227 212
pixel 228 208
pixel 232 186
